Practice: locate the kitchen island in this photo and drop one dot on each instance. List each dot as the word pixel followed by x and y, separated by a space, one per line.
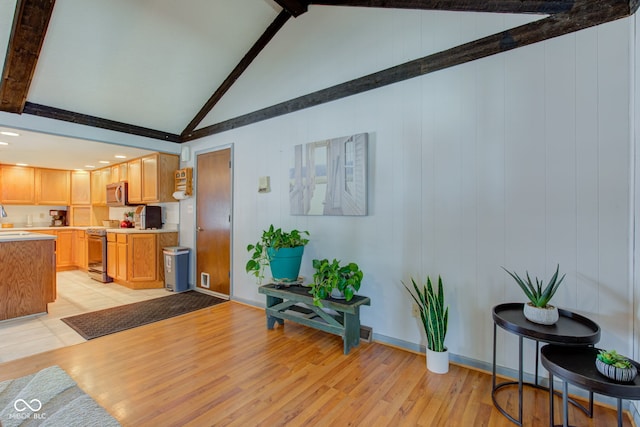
pixel 27 273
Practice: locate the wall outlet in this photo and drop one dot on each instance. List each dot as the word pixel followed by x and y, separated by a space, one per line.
pixel 415 311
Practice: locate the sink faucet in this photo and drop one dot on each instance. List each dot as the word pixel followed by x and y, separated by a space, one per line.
pixel 3 213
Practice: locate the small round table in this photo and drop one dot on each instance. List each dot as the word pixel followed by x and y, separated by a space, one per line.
pixel 570 329
pixel 577 365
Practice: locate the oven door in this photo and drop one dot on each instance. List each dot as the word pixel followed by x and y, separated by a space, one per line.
pixel 95 258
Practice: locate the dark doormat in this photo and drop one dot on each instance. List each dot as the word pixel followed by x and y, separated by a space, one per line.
pixel 116 319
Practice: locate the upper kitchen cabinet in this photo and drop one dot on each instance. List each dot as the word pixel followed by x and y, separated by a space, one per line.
pixel 99 180
pixel 118 173
pixel 52 186
pixel 18 185
pixel 151 178
pixel 80 188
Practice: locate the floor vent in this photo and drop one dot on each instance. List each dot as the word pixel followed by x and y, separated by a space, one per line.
pixel 366 333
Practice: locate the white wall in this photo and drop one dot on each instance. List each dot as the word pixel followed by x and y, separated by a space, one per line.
pixel 518 160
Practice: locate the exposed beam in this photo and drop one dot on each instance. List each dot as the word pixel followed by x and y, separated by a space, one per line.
pixel 294 7
pixel 83 119
pixel 546 7
pixel 30 23
pixel 244 63
pixel 584 15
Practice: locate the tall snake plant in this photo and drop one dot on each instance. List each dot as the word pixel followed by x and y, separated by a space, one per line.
pixel 433 313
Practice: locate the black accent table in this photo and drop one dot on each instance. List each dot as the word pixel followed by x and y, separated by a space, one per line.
pixel 570 329
pixel 577 365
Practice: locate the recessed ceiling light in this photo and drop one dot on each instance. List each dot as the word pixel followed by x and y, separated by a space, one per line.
pixel 89 166
pixel 104 162
pixel 120 156
pixel 9 133
pixel 22 164
pixel 4 143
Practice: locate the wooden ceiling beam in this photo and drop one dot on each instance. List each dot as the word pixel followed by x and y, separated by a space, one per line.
pixel 244 63
pixel 585 14
pixel 294 7
pixel 84 119
pixel 546 7
pixel 30 23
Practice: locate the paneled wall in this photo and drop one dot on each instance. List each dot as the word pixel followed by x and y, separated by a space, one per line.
pixel 519 160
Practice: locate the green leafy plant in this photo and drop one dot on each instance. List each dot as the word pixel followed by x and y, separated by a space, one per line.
pixel 275 239
pixel 611 357
pixel 434 315
pixel 332 275
pixel 538 295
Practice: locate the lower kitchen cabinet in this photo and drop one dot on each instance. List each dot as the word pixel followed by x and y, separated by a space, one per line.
pixel 64 248
pixel 80 249
pixel 135 259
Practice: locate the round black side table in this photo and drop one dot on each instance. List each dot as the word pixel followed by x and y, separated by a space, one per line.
pixel 570 329
pixel 577 366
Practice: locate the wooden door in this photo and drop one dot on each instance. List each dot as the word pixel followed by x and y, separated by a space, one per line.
pixel 134 176
pixel 213 221
pixel 52 186
pixel 18 185
pixel 80 188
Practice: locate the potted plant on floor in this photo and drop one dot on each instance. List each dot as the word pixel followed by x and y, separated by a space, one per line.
pixel 435 320
pixel 280 250
pixel 538 309
pixel 332 279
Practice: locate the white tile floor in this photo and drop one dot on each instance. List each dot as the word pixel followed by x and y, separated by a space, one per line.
pixel 77 293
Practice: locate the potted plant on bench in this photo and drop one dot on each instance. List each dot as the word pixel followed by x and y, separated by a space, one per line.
pixel 435 320
pixel 336 280
pixel 280 250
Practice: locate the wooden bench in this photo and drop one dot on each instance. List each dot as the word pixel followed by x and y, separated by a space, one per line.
pixel 294 303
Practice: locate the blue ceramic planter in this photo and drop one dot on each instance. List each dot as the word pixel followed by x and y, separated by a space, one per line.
pixel 285 263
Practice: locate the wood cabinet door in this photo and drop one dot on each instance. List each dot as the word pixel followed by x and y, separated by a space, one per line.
pixel 80 188
pixel 53 187
pixel 99 181
pixel 64 248
pixel 134 177
pixel 18 185
pixel 150 179
pixel 112 259
pixel 122 259
pixel 143 257
pixel 80 249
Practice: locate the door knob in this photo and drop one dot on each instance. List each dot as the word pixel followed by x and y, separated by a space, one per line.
pixel 199 229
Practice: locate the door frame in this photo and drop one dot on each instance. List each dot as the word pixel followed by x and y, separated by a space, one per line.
pixel 195 218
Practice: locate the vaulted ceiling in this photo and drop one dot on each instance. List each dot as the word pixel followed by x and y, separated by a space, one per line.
pixel 181 70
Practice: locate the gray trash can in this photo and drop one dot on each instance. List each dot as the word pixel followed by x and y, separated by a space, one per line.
pixel 176 268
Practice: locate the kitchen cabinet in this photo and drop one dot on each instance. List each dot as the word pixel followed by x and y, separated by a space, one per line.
pixel 151 178
pixel 134 259
pixel 80 249
pixel 99 180
pixel 118 173
pixel 80 216
pixel 18 185
pixel 27 277
pixel 64 248
pixel 80 188
pixel 53 187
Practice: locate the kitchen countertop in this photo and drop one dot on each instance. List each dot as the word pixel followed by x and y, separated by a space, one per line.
pixel 109 230
pixel 19 236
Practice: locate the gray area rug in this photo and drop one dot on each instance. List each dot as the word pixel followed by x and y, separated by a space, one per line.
pixel 49 398
pixel 116 319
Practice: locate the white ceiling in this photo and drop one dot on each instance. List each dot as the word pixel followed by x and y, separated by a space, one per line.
pixel 155 63
pixel 57 152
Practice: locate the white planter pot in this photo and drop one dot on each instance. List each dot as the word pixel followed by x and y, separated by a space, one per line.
pixel 543 316
pixel 438 361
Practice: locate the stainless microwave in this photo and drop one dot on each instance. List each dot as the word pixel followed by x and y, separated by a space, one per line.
pixel 118 194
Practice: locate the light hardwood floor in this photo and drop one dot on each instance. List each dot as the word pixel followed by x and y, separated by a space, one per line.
pixel 220 366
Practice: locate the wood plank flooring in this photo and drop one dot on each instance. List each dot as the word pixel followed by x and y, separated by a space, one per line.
pixel 221 367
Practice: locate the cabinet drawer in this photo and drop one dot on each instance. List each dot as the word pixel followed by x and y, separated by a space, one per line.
pixel 121 238
pixel 111 237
